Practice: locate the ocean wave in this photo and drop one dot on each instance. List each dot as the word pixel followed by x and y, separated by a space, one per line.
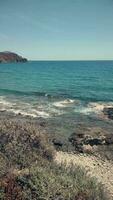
pixel 63 104
pixel 4 103
pixel 31 113
pixel 52 94
pixel 35 113
pixel 21 93
pixel 46 108
pixel 33 93
pixel 99 107
pixel 20 112
pixel 20 107
pixel 93 107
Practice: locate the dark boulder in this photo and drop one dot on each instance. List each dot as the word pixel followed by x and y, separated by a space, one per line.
pixel 94 141
pixel 108 112
pixel 57 142
pixel 43 124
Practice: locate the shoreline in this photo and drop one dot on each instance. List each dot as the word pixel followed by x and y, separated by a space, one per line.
pixel 94 139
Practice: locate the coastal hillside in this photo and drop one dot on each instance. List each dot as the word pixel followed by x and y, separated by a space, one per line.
pixel 29 171
pixel 6 57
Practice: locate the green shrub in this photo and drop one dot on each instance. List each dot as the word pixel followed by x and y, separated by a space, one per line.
pixel 22 143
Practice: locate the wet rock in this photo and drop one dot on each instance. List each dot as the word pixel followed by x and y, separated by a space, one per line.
pixel 95 141
pixel 57 142
pixel 89 141
pixel 43 124
pixel 108 112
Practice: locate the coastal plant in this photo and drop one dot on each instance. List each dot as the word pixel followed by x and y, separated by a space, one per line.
pixel 51 181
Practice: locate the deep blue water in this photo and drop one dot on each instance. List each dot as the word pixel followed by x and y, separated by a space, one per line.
pixel 42 86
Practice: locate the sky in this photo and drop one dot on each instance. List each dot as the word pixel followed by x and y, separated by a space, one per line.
pixel 57 29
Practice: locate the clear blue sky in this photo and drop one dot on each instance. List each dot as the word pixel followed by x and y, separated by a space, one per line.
pixel 57 29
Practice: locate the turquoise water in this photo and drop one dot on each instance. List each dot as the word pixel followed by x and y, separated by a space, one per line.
pixel 53 88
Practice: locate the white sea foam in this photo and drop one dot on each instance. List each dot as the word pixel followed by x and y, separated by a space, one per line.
pixel 64 103
pixel 22 113
pixel 54 112
pixel 4 102
pixel 94 107
pixel 98 107
pixel 40 113
pixel 18 106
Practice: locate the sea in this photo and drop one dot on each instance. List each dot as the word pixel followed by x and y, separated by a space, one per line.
pixel 64 93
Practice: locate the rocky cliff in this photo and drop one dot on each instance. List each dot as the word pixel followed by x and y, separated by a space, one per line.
pixel 6 57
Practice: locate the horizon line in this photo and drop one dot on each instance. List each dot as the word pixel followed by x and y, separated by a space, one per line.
pixel 72 60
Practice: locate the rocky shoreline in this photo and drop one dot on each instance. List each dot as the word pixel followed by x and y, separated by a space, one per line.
pixel 84 139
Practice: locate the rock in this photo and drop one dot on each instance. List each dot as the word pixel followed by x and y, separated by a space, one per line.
pixel 90 139
pixel 57 142
pixel 43 124
pixel 9 57
pixel 87 149
pixel 108 112
pixel 76 137
pixel 109 140
pixel 77 140
pixel 95 141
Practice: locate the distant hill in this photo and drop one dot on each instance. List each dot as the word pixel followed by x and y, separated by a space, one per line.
pixel 7 57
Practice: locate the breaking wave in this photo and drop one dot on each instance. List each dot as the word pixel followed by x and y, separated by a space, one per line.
pixel 63 104
pixel 37 109
pixel 93 107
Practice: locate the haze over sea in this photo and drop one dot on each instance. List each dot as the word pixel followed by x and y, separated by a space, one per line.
pixel 56 89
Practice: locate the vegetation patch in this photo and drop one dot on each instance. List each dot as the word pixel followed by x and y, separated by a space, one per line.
pixel 28 170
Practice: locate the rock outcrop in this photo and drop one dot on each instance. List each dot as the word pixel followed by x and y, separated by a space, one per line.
pixel 8 57
pixel 90 139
